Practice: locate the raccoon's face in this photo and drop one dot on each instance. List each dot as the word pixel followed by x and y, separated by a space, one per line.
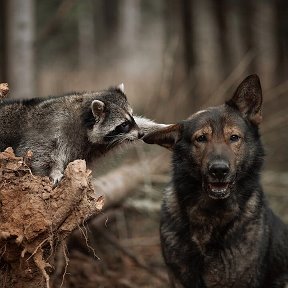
pixel 110 121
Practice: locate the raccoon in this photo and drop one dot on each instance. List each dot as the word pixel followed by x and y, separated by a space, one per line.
pixel 60 129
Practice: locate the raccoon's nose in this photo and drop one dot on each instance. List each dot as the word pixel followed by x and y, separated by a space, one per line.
pixel 140 134
pixel 218 169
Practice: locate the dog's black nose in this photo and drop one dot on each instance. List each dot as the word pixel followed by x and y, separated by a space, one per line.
pixel 140 134
pixel 219 169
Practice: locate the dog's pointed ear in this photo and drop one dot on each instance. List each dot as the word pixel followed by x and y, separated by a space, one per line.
pixel 248 99
pixel 166 137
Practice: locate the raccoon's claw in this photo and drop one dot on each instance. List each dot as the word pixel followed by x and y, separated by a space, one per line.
pixel 55 182
pixel 56 177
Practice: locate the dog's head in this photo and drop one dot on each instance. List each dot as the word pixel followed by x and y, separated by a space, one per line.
pixel 218 145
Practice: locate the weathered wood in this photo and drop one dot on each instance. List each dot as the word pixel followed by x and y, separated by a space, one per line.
pixel 35 218
pixel 4 90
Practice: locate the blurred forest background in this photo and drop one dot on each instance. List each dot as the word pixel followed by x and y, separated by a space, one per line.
pixel 174 58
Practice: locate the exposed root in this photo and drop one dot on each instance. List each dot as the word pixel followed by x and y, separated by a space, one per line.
pixel 29 221
pixel 4 250
pixel 42 265
pixel 36 249
pixel 66 263
pixel 85 235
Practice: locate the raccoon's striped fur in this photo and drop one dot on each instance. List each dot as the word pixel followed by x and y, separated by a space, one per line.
pixel 61 129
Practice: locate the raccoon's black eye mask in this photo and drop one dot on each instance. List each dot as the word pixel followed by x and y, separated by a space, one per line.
pixel 123 128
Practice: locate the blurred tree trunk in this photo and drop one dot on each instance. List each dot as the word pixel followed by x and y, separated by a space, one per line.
pixel 2 41
pixel 173 66
pixel 20 36
pixel 188 40
pixel 265 42
pixel 207 48
pixel 234 33
pixel 220 10
pixel 86 32
pixel 188 35
pixel 247 14
pixel 281 7
pixel 129 25
pixel 111 21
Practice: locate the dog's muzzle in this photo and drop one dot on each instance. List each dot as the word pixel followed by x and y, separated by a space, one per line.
pixel 218 190
pixel 218 184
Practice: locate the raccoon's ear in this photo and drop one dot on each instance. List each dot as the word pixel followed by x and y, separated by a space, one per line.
pixel 166 137
pixel 97 108
pixel 121 88
pixel 248 99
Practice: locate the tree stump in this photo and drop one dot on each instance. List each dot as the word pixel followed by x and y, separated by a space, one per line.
pixel 35 218
pixel 4 90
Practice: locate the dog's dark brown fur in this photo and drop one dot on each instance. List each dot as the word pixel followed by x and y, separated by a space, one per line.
pixel 216 228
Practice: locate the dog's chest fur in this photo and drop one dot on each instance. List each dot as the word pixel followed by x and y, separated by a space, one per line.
pixel 229 269
pixel 229 253
pixel 233 262
pixel 234 266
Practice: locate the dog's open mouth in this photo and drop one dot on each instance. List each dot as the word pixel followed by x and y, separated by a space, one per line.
pixel 218 190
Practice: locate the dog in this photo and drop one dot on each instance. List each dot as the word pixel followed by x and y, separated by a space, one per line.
pixel 216 227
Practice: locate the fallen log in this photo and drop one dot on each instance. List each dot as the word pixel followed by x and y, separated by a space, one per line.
pixel 120 183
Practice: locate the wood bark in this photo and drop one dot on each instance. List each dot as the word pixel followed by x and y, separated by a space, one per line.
pixel 4 90
pixel 35 218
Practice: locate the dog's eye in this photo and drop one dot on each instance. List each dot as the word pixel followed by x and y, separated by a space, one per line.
pixel 234 138
pixel 125 127
pixel 201 139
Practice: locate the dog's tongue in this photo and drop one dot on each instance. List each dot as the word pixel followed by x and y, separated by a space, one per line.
pixel 218 187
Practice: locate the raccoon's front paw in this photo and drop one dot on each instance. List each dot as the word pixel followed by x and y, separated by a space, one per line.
pixel 56 177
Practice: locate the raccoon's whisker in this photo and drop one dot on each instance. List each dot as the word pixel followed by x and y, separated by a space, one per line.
pixel 113 143
pixel 122 140
pixel 111 136
pixel 115 136
pixel 119 140
pixel 110 144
